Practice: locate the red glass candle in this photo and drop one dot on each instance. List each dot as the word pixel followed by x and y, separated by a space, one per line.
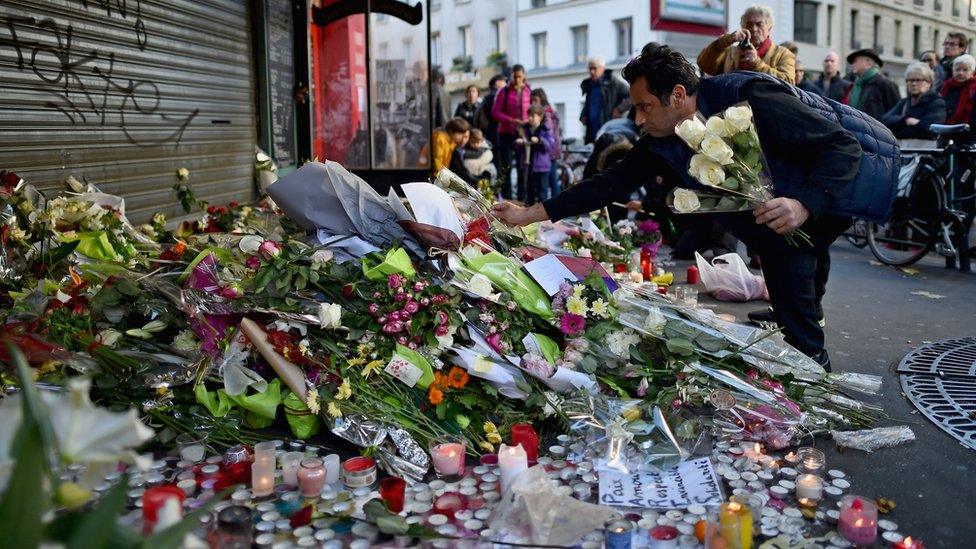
pixel 692 275
pixel 909 543
pixel 391 491
pixel 449 503
pixel 153 500
pixel 524 434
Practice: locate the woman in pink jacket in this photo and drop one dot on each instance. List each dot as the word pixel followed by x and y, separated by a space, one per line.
pixel 511 109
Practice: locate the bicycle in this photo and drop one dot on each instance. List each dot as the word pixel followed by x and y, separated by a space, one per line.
pixel 857 235
pixel 927 212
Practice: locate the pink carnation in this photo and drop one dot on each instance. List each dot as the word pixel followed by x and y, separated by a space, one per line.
pixel 396 280
pixel 252 262
pixel 648 226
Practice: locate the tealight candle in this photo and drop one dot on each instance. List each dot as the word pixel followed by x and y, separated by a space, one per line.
pixel 447 455
pixel 909 543
pixel 810 461
pixel 809 487
pixel 858 521
pixel 263 470
pixel 791 458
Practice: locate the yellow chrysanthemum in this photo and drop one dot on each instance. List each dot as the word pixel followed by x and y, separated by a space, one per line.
pixel 358 361
pixel 576 305
pixel 334 410
pixel 486 446
pixel 344 391
pixel 578 290
pixel 599 307
pixel 312 401
pixel 489 427
pixel 494 438
pixel 372 367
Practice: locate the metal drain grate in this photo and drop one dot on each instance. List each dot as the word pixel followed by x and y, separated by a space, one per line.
pixel 940 380
pixel 952 358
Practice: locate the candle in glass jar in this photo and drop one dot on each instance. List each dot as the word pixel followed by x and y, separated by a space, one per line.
pixel 447 455
pixel 735 520
pixel 512 460
pixel 858 521
pixel 263 469
pixel 332 468
pixel 290 462
pixel 909 543
pixel 311 477
pixel 809 487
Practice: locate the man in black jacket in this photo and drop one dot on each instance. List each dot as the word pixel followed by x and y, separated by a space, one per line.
pixel 816 153
pixel 872 92
pixel 831 82
pixel 604 97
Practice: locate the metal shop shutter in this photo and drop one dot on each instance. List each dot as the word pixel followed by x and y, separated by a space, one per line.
pixel 126 92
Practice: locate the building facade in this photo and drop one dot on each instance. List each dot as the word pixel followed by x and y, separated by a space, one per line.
pixel 899 30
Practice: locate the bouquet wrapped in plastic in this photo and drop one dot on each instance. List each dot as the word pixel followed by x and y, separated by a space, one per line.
pixel 728 159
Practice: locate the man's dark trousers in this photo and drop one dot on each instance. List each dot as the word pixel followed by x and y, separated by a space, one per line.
pixel 796 276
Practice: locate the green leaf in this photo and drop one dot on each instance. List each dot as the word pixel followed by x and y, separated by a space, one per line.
pixel 96 528
pixel 680 346
pixel 33 406
pixel 25 499
pixel 392 525
pixel 441 411
pixel 61 252
pixel 262 279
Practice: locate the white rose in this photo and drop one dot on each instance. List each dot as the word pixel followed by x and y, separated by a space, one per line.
pixel 692 131
pixel 109 337
pixel 445 341
pixel 330 315
pixel 716 126
pixel 322 256
pixel 738 119
pixel 685 201
pixel 717 150
pixel 705 171
pixel 480 285
pixel 655 321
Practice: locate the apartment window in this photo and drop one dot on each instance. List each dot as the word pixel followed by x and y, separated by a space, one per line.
pixel 955 13
pixel 830 24
pixel 876 34
pixel 467 40
pixel 561 110
pixel 855 43
pixel 805 21
pixel 540 49
pixel 538 3
pixel 937 42
pixel 499 30
pixel 580 44
pixel 435 48
pixel 916 41
pixel 919 2
pixel 899 40
pixel 625 36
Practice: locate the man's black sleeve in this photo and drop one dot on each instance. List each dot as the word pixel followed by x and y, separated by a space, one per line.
pixel 637 167
pixel 791 129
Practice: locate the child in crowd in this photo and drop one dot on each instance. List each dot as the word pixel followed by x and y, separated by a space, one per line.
pixel 533 149
pixel 477 157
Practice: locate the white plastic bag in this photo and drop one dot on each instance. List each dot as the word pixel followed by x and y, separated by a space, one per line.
pixel 728 279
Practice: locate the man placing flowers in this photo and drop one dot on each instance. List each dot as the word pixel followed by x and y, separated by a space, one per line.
pixel 821 176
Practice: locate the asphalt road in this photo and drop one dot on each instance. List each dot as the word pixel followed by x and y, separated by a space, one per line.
pixel 873 321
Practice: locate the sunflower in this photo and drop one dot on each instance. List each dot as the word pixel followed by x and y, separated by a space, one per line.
pixel 457 378
pixel 435 396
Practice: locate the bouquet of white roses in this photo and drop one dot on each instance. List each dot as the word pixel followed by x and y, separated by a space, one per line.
pixel 728 158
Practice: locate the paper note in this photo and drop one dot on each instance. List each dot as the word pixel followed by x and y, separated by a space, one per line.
pixel 432 205
pixel 403 370
pixel 692 481
pixel 549 272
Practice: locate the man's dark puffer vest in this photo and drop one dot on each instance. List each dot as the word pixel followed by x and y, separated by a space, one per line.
pixel 868 196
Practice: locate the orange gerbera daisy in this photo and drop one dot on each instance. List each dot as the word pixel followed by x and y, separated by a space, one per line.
pixel 438 380
pixel 457 378
pixel 435 396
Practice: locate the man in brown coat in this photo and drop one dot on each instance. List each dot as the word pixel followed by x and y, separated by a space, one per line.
pixel 749 48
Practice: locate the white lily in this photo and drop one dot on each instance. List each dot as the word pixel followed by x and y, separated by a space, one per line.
pixel 83 433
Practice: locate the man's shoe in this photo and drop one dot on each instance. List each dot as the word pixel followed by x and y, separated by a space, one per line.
pixel 823 359
pixel 766 316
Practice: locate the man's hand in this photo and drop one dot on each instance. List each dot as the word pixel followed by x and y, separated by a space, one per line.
pixel 520 141
pixel 910 121
pixel 513 214
pixel 534 139
pixel 782 215
pixel 749 57
pixel 635 205
pixel 739 35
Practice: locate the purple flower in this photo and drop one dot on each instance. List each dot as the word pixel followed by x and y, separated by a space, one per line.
pixel 269 249
pixel 652 248
pixel 395 316
pixel 572 325
pixel 565 290
pixel 400 297
pixel 441 330
pixel 382 319
pixel 495 342
pixel 232 291
pixel 396 280
pixel 425 301
pixel 418 286
pixel 648 226
pixel 511 305
pixel 252 262
pixel 373 309
pixel 442 318
pixel 411 307
pixel 402 340
pixel 412 345
pixel 642 387
pixel 377 295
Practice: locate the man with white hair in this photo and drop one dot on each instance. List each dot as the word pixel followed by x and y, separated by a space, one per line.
pixel 749 49
pixel 605 97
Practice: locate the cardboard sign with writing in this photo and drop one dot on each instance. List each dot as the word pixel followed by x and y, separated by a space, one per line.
pixel 692 481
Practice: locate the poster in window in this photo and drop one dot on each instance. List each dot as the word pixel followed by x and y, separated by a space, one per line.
pixel 704 12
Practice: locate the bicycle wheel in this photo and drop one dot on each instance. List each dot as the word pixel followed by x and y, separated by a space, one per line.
pixel 858 234
pixel 913 227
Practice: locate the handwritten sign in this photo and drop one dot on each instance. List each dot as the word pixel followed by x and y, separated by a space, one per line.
pixel 692 481
pixel 391 80
pixel 549 272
